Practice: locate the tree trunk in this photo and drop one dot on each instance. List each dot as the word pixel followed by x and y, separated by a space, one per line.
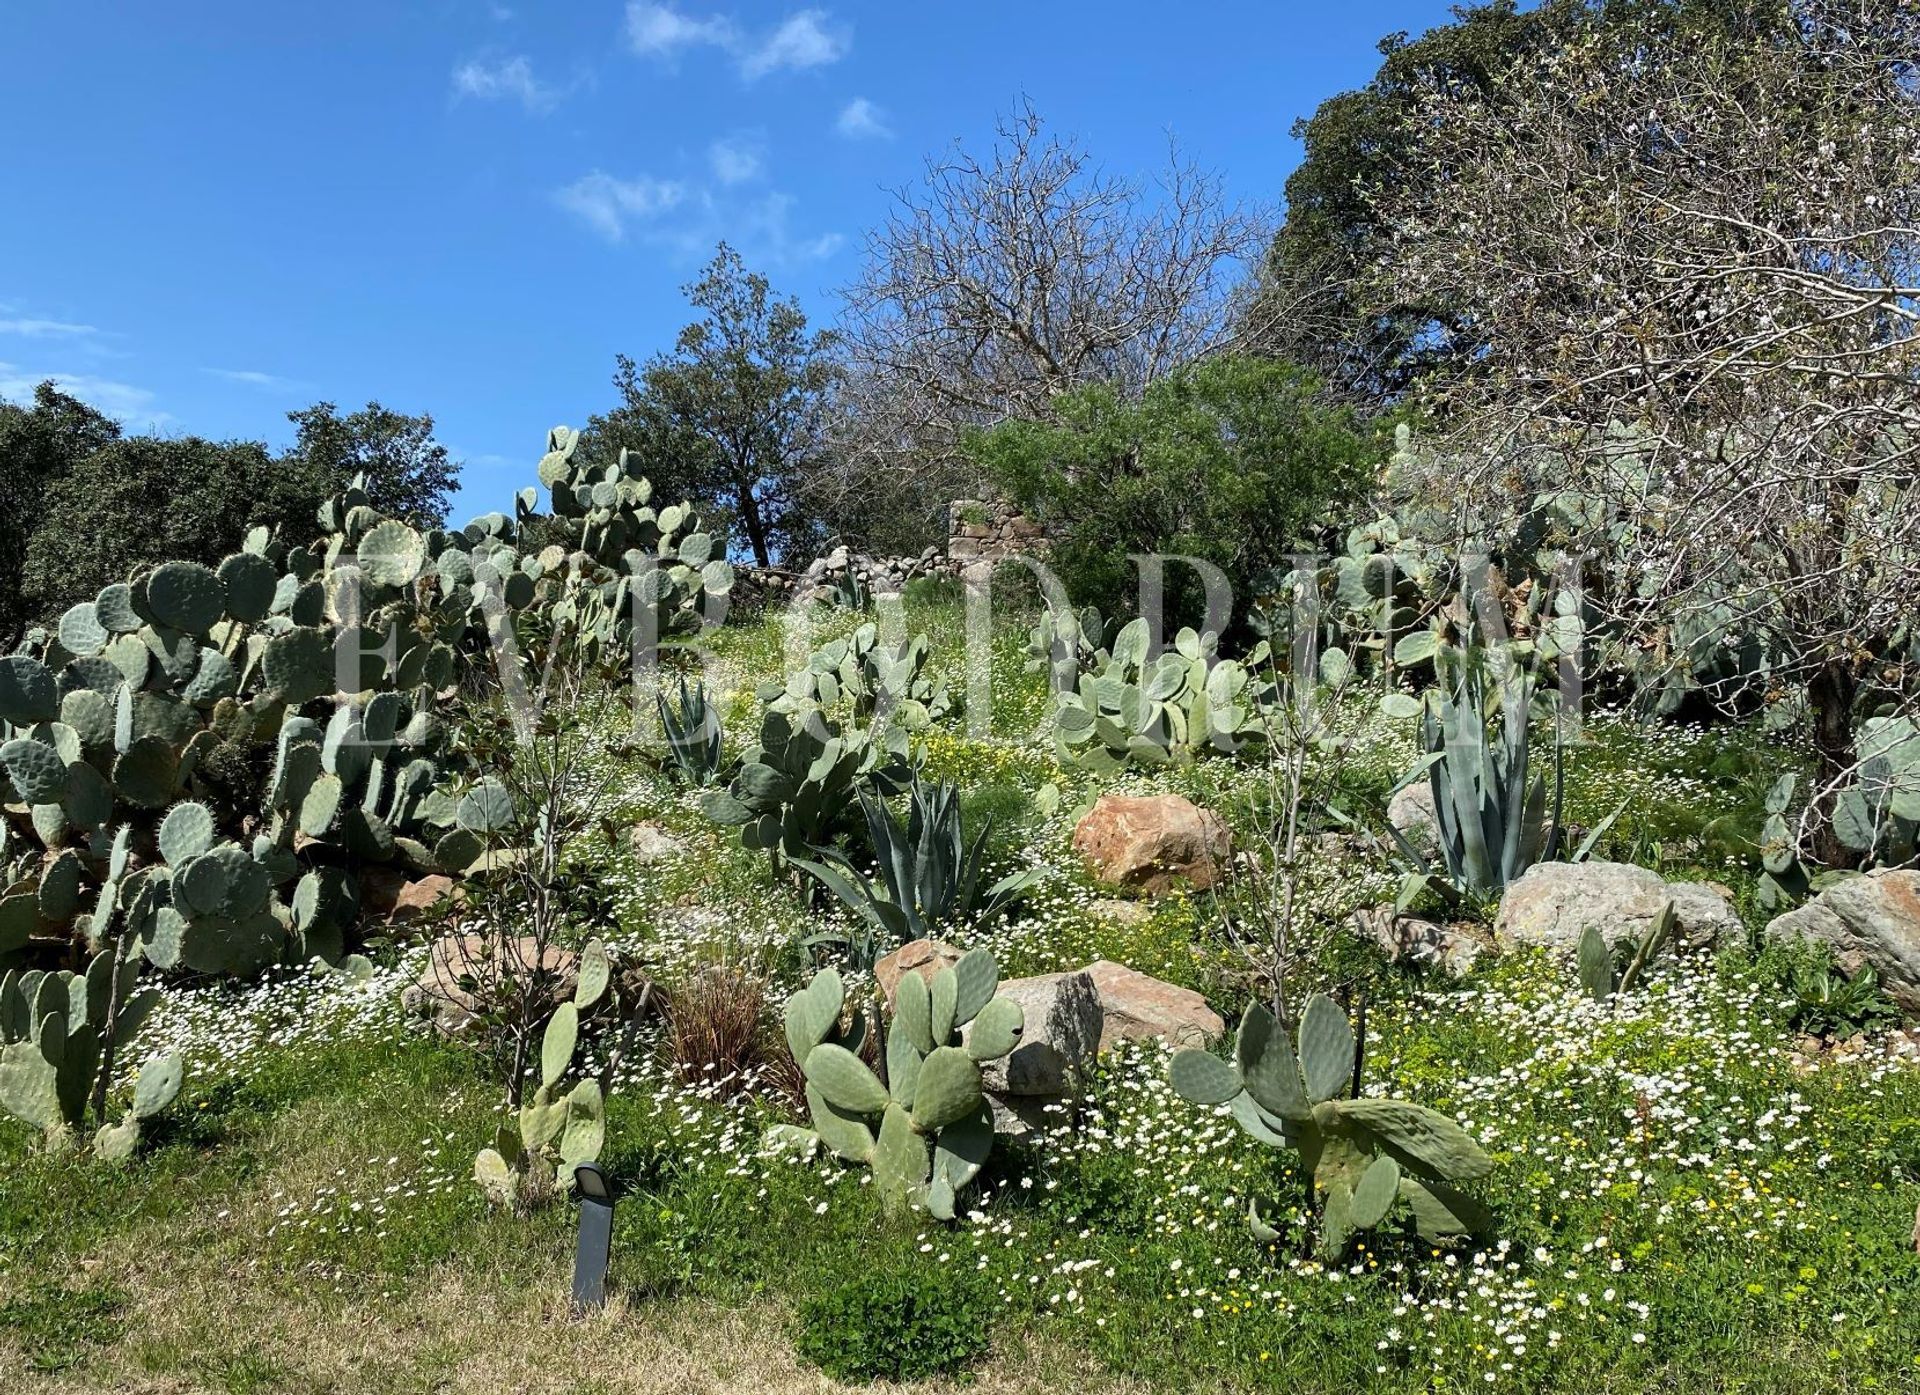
pixel 1830 695
pixel 756 527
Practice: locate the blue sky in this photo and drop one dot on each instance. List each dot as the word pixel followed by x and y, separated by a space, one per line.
pixel 217 212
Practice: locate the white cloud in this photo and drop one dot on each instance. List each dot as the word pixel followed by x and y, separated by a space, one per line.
pixel 122 401
pixel 735 160
pixel 804 40
pixel 253 377
pixel 47 329
pixel 687 220
pixel 508 79
pixel 860 119
pixel 661 31
pixel 609 205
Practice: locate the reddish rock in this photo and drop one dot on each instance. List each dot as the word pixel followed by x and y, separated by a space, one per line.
pixel 416 898
pixel 923 957
pixel 380 889
pixel 1151 843
pixel 1140 1007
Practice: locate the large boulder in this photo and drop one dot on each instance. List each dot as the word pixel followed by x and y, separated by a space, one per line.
pixel 1553 902
pixel 1151 842
pixel 1140 1007
pixel 1063 1023
pixel 1069 1017
pixel 1411 813
pixel 1868 920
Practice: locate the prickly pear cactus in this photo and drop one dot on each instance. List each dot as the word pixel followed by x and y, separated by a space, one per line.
pixel 60 1036
pixel 1167 710
pixel 533 1157
pixel 1600 978
pixel 1364 1155
pixel 798 784
pixel 928 1130
pixel 881 684
pixel 154 707
pixel 1066 644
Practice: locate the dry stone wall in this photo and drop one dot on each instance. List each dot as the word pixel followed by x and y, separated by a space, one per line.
pixel 990 530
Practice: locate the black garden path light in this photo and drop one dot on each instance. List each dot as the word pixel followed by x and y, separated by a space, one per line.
pixel 596 1237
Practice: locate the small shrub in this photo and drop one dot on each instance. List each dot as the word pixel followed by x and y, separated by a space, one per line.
pixel 897 1325
pixel 1828 1003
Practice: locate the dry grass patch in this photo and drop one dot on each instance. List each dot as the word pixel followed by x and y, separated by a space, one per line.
pixel 189 1327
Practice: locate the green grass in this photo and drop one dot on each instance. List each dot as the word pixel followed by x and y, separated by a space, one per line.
pixel 57 1327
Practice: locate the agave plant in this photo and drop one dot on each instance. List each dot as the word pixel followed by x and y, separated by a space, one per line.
pixel 693 734
pixel 929 872
pixel 794 788
pixel 1490 804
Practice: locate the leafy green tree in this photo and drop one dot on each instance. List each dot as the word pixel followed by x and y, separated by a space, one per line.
pixel 142 500
pixel 1237 461
pixel 39 445
pixel 734 416
pixel 1318 302
pixel 408 473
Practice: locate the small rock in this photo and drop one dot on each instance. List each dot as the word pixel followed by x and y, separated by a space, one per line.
pixel 1150 843
pixel 380 889
pixel 440 993
pixel 694 922
pixel 418 897
pixel 651 843
pixel 1411 812
pixel 1119 911
pixel 1424 943
pixel 1871 919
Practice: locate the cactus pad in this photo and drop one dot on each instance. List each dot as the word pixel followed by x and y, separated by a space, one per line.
pixel 28 693
pixel 81 633
pixel 147 775
pixel 486 808
pixel 249 583
pixel 392 554
pixel 36 770
pixel 185 833
pixel 299 664
pixel 186 596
